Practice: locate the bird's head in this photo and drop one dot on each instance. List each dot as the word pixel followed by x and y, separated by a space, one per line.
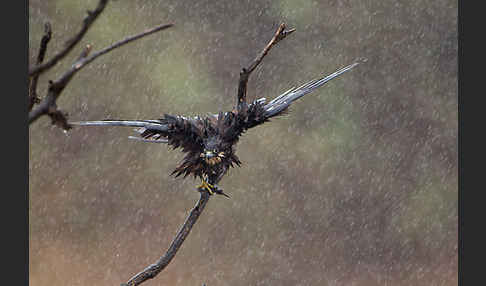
pixel 213 152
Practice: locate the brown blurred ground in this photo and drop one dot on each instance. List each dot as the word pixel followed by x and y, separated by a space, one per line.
pixel 356 186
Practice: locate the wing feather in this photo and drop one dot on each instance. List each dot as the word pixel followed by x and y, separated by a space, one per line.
pixel 177 131
pixel 152 124
pixel 282 102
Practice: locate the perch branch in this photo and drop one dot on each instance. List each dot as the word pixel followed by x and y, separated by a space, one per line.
pixel 70 44
pixel 48 104
pixel 152 270
pixel 33 98
pixel 280 34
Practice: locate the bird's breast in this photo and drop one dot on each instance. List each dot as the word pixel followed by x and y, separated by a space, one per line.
pixel 213 161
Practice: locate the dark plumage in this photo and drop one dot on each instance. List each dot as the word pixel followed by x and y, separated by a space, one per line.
pixel 209 142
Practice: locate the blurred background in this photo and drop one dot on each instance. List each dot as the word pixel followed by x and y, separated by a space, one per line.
pixel 358 185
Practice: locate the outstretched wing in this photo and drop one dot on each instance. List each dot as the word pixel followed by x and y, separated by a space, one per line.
pixel 233 124
pixel 177 131
pixel 259 111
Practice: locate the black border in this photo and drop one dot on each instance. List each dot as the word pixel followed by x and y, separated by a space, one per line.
pixel 469 91
pixel 15 143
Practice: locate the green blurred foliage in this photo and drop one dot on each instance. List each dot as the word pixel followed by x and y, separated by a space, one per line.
pixel 356 186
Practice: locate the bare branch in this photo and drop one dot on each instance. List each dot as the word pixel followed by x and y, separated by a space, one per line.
pixel 127 40
pixel 58 86
pixel 152 270
pixel 70 44
pixel 40 57
pixel 280 34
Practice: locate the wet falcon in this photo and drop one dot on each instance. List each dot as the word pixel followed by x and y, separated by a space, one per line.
pixel 209 142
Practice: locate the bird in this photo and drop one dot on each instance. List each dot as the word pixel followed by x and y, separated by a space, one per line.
pixel 209 142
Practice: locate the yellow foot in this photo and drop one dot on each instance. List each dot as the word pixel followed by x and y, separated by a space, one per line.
pixel 206 186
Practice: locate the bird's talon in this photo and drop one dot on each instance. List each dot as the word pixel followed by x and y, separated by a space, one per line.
pixel 206 186
pixel 210 190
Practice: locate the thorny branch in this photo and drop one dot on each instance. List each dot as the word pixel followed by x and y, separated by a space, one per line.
pixel 48 104
pixel 280 34
pixel 152 270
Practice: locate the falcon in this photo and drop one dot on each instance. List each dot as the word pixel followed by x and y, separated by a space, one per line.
pixel 209 142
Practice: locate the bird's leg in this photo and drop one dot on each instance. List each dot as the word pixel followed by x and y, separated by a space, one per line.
pixel 206 186
pixel 210 188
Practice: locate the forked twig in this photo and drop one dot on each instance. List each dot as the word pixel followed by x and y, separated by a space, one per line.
pixel 70 44
pixel 48 104
pixel 280 34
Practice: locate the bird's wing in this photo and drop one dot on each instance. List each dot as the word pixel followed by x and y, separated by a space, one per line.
pixel 259 111
pixel 177 131
pixel 154 124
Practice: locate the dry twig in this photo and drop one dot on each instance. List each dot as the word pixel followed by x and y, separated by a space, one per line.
pixel 152 270
pixel 48 104
pixel 70 44
pixel 33 98
pixel 280 34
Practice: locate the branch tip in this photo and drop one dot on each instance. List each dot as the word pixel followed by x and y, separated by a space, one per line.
pixel 47 30
pixel 245 72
